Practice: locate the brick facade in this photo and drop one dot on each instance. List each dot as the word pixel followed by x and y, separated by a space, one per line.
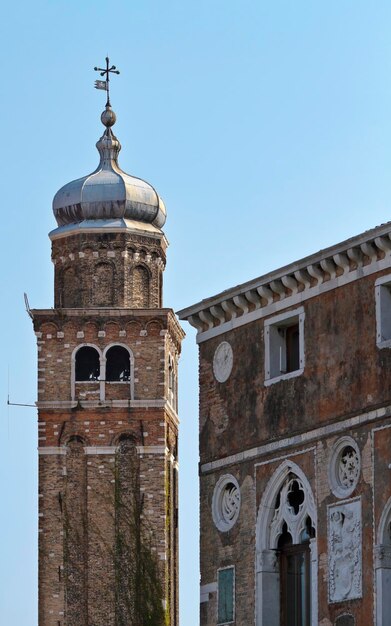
pixel 264 433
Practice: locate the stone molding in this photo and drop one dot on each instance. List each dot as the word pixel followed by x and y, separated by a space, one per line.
pixel 296 440
pixel 62 450
pixel 382 556
pixel 328 269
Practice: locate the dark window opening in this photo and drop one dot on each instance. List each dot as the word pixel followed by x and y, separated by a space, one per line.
pixel 292 348
pixel 308 531
pixel 285 539
pixel 87 364
pixel 295 496
pixel 117 364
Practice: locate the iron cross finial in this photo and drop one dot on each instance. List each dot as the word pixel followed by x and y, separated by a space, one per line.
pixel 105 84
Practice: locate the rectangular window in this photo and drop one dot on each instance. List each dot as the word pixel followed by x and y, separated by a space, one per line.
pixel 383 311
pixel 225 594
pixel 284 346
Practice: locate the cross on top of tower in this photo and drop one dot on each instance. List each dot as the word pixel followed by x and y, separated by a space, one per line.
pixel 105 84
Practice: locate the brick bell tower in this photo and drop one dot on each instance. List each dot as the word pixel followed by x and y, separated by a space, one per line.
pixel 107 407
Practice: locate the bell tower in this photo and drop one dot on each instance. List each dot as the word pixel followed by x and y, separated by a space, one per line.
pixel 107 407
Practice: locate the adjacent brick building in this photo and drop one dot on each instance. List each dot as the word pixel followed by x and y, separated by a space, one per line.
pixel 295 442
pixel 107 407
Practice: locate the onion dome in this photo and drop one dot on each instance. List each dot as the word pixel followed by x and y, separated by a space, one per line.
pixel 108 193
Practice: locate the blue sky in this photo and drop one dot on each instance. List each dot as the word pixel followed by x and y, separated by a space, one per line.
pixel 265 126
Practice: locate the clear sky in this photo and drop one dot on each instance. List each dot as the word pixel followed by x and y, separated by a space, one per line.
pixel 265 126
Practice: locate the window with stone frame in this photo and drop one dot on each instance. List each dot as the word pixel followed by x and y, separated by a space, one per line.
pixel 284 346
pixel 383 311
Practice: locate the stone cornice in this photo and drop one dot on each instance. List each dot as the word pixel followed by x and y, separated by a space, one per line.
pixel 327 269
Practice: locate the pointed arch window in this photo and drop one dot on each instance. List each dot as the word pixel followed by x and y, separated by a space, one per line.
pixel 117 364
pixel 286 551
pixel 294 553
pixel 87 365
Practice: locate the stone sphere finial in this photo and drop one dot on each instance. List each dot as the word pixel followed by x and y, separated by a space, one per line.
pixel 108 117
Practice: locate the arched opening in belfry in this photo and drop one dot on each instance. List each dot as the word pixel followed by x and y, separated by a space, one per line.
pixel 140 287
pixel 117 364
pixel 103 285
pixel 87 364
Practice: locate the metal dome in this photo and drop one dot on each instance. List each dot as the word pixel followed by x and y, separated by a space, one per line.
pixel 108 193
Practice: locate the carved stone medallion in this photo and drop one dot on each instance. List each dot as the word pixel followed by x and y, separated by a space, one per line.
pixel 226 502
pixel 344 467
pixel 222 361
pixel 345 551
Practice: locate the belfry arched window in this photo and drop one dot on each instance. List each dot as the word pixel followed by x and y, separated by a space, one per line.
pixel 286 551
pixel 87 364
pixel 117 364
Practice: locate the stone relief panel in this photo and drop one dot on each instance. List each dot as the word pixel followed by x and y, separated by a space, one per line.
pixel 345 551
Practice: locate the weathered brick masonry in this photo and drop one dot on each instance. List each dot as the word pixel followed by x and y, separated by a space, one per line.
pixel 321 427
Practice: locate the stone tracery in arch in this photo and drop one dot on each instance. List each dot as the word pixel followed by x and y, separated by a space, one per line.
pixel 288 509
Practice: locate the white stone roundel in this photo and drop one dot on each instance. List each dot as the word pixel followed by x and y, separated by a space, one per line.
pixel 344 467
pixel 222 361
pixel 226 502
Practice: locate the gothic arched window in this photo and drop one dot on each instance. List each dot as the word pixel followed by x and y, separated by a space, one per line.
pixel 117 364
pixel 286 551
pixel 87 365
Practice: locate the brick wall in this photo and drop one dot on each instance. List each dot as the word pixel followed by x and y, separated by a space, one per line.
pixel 248 429
pixel 111 286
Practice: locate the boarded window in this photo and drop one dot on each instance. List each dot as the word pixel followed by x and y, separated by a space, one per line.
pixel 225 596
pixel 103 284
pixel 140 287
pixel 117 364
pixel 87 364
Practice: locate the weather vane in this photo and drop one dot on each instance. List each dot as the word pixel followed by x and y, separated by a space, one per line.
pixel 105 84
